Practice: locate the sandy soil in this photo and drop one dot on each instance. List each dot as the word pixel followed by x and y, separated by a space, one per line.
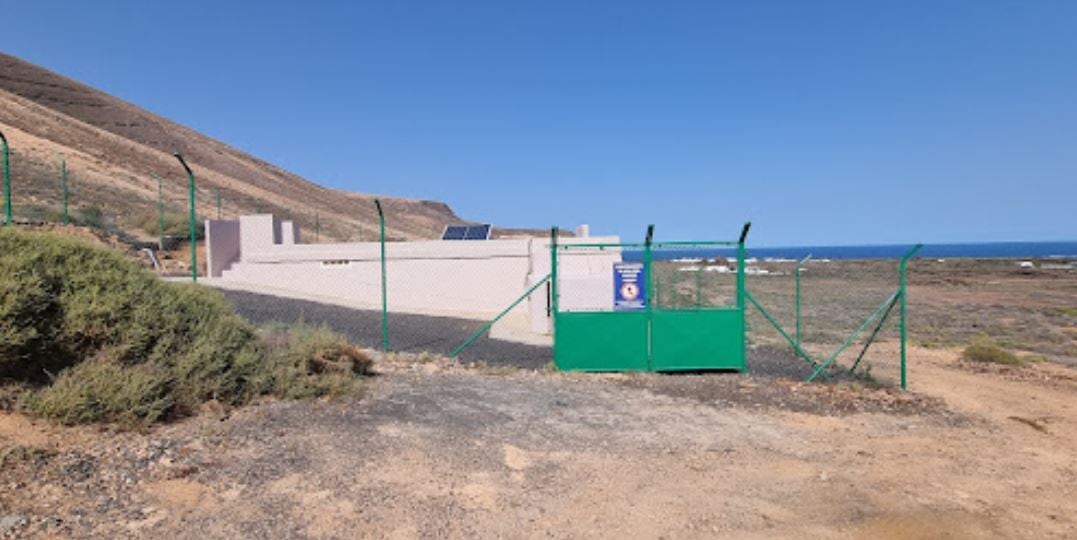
pixel 436 451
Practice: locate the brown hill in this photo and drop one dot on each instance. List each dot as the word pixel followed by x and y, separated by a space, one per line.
pixel 114 148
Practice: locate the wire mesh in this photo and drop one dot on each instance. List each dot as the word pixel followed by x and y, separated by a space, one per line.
pixel 686 278
pixel 843 305
pixel 36 190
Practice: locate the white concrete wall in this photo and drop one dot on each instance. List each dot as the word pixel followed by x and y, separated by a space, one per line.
pixel 475 279
pixel 258 233
pixel 289 233
pixel 222 245
pixel 462 287
pixel 584 276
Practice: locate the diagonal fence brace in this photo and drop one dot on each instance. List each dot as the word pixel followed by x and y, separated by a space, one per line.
pixel 848 341
pixel 796 346
pixel 874 333
pixel 456 352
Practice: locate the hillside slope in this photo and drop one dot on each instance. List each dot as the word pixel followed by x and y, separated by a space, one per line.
pixel 113 148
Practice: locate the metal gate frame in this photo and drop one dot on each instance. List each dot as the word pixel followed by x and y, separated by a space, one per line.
pixel 651 339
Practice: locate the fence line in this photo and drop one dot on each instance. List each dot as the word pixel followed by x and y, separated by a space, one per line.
pixel 825 312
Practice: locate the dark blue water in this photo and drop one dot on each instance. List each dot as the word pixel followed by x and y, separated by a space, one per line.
pixel 993 250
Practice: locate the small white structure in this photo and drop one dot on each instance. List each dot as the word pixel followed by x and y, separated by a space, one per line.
pixel 469 279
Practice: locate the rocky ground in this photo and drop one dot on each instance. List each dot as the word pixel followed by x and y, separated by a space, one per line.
pixel 434 449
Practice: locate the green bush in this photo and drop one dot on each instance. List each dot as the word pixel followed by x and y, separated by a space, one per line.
pixel 101 390
pixel 63 301
pixel 95 337
pixel 986 350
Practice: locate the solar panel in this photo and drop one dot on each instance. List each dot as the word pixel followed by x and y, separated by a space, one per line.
pixel 477 232
pixel 455 232
pixel 466 232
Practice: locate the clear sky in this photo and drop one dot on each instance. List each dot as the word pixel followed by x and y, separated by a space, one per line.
pixel 822 122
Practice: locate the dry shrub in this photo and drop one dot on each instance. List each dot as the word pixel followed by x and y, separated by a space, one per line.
pixel 87 335
pixel 985 350
pixel 310 361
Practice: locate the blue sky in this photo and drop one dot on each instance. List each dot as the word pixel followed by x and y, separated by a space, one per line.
pixel 822 122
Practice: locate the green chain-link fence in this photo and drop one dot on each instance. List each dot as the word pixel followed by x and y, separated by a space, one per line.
pixel 845 316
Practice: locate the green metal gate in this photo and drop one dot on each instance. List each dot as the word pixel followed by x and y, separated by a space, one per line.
pixel 666 333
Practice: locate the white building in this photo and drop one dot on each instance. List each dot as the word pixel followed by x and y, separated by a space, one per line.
pixel 469 279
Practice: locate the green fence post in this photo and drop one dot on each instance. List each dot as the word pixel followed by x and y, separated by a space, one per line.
pixel 384 299
pixel 553 274
pixel 741 304
pixel 63 186
pixel 194 239
pixel 553 290
pixel 800 266
pixel 647 265
pixel 741 256
pixel 67 218
pixel 160 214
pixel 902 286
pixel 7 182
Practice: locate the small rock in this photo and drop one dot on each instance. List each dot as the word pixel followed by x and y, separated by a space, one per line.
pixel 11 522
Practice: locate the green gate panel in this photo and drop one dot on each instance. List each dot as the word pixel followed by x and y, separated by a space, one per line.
pixel 601 341
pixel 698 339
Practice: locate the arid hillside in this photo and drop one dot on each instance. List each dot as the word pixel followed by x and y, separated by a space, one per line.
pixel 114 148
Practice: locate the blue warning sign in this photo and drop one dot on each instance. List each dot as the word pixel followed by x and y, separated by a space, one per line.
pixel 629 286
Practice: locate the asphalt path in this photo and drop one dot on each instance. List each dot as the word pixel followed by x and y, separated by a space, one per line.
pixel 407 332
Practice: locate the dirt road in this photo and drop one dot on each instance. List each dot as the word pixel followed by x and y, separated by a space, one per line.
pixel 434 451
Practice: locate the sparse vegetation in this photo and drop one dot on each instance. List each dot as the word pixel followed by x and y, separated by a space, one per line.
pixel 86 335
pixel 175 224
pixel 22 453
pixel 986 350
pixel 90 216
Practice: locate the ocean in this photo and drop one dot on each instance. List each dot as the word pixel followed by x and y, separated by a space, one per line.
pixel 989 250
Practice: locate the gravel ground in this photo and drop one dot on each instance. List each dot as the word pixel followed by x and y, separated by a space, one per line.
pixel 407 332
pixel 432 450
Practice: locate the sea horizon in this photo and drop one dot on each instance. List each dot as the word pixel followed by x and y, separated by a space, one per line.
pixel 958 250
